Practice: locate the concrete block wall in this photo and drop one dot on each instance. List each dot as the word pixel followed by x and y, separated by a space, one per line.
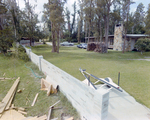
pixel 90 103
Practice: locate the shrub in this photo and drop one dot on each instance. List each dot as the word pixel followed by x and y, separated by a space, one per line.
pixel 97 47
pixel 22 53
pixel 143 44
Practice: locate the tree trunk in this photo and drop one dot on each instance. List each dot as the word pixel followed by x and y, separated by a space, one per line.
pixel 53 38
pixel 126 28
pixel 58 41
pixel 100 25
pixel 89 31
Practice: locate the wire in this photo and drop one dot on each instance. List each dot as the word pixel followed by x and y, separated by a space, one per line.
pixel 32 71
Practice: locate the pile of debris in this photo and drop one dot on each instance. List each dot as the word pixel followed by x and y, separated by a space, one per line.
pixel 97 47
pixel 9 111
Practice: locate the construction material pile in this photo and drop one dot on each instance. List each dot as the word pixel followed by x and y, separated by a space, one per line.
pixel 97 47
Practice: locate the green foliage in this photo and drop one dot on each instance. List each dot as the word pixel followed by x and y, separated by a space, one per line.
pixel 2 8
pixel 6 40
pixel 147 21
pixel 22 54
pixel 143 44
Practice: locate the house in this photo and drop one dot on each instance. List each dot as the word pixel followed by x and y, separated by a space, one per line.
pixel 26 41
pixel 119 37
pixel 116 41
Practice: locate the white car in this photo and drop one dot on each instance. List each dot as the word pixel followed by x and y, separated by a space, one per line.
pixel 66 44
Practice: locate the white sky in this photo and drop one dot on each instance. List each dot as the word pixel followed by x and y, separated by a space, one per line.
pixel 40 4
pixel 69 4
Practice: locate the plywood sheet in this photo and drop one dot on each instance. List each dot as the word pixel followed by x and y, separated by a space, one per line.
pixel 12 115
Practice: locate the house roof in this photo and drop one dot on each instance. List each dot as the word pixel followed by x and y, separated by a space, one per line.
pixel 96 37
pixel 128 35
pixel 137 35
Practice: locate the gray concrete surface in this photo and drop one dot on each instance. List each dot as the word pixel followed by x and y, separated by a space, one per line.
pixel 122 106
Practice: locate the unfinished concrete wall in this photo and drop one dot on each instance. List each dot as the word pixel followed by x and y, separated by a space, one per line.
pixel 90 103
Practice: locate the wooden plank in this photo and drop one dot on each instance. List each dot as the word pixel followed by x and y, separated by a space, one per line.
pixel 24 113
pixel 35 99
pixel 8 96
pixel 10 101
pixel 5 78
pixel 49 113
pixel 44 117
pixel 20 108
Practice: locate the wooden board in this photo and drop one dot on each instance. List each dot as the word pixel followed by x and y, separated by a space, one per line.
pixel 10 101
pixel 35 99
pixel 24 113
pixel 8 96
pixel 49 113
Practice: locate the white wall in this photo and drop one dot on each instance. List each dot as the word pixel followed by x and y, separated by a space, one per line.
pixel 90 103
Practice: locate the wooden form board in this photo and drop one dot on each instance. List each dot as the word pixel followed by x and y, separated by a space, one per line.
pixel 47 86
pixel 35 99
pixel 8 96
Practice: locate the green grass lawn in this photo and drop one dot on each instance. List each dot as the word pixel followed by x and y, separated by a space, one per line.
pixel 135 75
pixel 29 84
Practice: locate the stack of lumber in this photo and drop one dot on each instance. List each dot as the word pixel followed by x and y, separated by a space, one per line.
pixel 6 102
pixel 45 85
pixel 9 112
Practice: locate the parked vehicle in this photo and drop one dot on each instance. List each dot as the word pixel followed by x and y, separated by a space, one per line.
pixel 82 45
pixel 66 44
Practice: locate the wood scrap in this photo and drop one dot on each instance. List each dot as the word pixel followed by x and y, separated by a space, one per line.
pixel 54 119
pixel 22 112
pixel 19 91
pixel 50 110
pixel 8 96
pixel 30 118
pixel 49 114
pixel 35 99
pixel 54 108
pixel 5 78
pixel 44 117
pixel 71 118
pixel 12 106
pixel 21 108
pixel 4 74
pixel 18 108
pixel 27 98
